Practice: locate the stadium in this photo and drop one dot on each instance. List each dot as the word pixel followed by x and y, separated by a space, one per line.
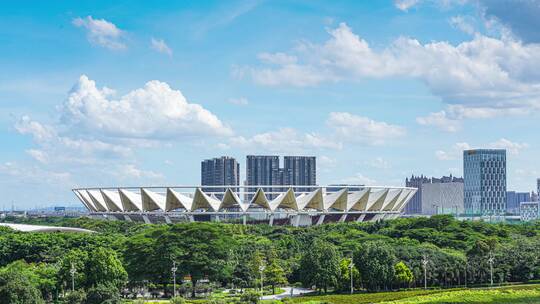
pixel 274 205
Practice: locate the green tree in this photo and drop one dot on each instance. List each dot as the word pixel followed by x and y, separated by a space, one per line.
pixel 16 288
pixel 376 260
pixel 403 275
pixel 250 297
pixel 76 297
pixel 345 275
pixel 103 294
pixel 274 275
pixel 320 265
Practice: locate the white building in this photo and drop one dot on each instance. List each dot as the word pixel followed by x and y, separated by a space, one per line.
pixel 528 211
pixel 442 198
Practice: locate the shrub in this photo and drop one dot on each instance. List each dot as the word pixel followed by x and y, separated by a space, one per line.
pixel 250 297
pixel 103 294
pixel 177 300
pixel 76 297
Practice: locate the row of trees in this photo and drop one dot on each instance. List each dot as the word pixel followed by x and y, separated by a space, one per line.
pixel 127 257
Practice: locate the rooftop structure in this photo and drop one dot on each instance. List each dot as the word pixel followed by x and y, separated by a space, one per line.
pixel 297 205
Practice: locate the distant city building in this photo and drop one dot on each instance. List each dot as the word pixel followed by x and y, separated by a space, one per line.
pixel 514 199
pixel 223 171
pixel 439 199
pixel 538 189
pixel 264 170
pixel 528 211
pixel 484 181
pixel 442 197
pixel 299 171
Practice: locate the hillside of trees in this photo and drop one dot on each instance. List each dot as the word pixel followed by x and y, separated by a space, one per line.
pixel 125 257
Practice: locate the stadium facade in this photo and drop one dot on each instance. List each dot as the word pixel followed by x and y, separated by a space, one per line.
pixel 275 205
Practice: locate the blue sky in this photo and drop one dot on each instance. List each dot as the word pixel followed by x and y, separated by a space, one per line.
pixel 101 93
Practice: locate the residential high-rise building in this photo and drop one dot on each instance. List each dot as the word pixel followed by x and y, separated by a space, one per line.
pixel 538 189
pixel 264 170
pixel 223 171
pixel 513 199
pixel 299 171
pixel 484 181
pixel 435 195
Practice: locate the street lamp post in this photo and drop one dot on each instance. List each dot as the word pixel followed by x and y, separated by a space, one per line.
pixel 174 269
pixel 424 264
pixel 261 270
pixel 351 265
pixel 72 271
pixel 491 260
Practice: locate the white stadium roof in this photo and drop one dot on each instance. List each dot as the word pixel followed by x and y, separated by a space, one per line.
pixel 362 202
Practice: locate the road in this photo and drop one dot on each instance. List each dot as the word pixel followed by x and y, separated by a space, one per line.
pixel 297 291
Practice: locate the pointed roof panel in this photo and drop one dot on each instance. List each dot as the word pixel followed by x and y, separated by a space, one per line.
pixel 358 200
pixel 260 199
pixel 97 199
pixel 202 200
pixel 84 196
pixel 406 200
pixel 177 200
pixel 336 200
pixel 390 199
pixel 152 201
pixel 86 205
pixel 112 200
pixel 376 200
pixel 312 200
pixel 284 200
pixel 230 199
pixel 130 201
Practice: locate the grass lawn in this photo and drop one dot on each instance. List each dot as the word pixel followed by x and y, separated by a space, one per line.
pixel 523 294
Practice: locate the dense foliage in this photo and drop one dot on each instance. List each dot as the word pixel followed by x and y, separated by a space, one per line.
pixel 129 257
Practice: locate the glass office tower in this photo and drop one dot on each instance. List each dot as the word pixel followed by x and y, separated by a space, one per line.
pixel 484 172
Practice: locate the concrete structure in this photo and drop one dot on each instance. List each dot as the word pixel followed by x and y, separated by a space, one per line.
pixel 514 199
pixel 415 204
pixel 528 211
pixel 442 198
pixel 538 189
pixel 484 181
pixel 37 228
pixel 302 207
pixel 220 171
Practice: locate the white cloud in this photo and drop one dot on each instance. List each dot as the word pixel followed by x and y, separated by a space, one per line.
pixel 477 75
pixel 359 179
pixel 440 120
pixel 242 101
pixel 40 132
pixel 153 112
pixel 39 155
pixel 355 128
pixel 456 151
pixel 463 24
pixel 326 161
pixel 284 140
pixel 160 46
pixel 277 58
pixel 379 163
pixel 511 147
pixel 405 5
pixel 101 32
pixel 130 171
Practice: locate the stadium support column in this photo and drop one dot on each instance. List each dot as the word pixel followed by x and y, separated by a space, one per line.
pixel 321 219
pixel 168 219
pixel 271 223
pixel 361 217
pixel 343 218
pixel 146 219
pixel 127 218
pixel 244 219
